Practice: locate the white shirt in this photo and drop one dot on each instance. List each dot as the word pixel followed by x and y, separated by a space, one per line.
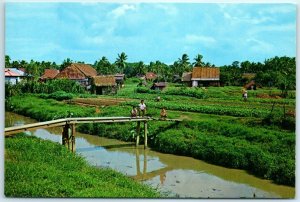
pixel 142 106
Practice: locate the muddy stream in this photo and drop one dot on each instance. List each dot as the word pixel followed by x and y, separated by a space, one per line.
pixel 175 176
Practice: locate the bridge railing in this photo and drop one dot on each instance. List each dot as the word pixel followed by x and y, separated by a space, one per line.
pixel 68 124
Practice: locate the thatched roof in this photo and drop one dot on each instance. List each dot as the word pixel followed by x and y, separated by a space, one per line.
pixel 50 73
pixel 248 75
pixel 150 75
pixel 186 76
pixel 104 81
pixel 77 71
pixel 205 73
pixel 160 84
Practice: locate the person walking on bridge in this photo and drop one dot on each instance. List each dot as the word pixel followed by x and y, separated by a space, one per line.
pixel 142 108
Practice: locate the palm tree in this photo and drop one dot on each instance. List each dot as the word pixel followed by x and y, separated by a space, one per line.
pixel 103 66
pixel 121 61
pixel 183 64
pixel 198 61
pixel 140 68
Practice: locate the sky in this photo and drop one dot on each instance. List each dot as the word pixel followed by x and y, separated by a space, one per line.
pixel 222 33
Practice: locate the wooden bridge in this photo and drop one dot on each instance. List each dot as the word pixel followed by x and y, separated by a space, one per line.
pixel 68 124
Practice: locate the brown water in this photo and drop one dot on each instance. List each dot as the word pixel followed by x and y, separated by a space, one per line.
pixel 176 176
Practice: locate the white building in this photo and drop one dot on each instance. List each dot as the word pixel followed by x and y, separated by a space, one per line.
pixel 13 75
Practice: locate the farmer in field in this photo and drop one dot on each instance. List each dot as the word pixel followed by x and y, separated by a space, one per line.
pixel 245 96
pixel 142 108
pixel 133 112
pixel 163 113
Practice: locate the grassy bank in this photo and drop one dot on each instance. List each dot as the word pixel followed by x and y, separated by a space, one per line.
pixel 39 168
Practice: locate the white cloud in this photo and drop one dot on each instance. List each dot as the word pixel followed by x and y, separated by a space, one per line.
pixel 279 9
pixel 167 8
pixel 206 40
pixel 246 19
pixel 121 10
pixel 259 46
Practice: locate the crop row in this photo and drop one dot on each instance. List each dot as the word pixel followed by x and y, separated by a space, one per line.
pixel 229 152
pixel 215 109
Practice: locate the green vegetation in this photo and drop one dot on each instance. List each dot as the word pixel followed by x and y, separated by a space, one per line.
pixel 227 132
pixel 45 110
pixel 39 168
pixel 51 86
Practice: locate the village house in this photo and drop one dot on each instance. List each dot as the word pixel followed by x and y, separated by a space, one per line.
pixel 82 73
pixel 103 85
pixel 13 75
pixel 159 86
pixel 202 76
pixel 150 76
pixel 119 79
pixel 186 78
pixel 49 74
pixel 249 82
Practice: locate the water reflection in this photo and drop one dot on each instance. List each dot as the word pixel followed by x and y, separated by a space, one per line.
pixel 178 176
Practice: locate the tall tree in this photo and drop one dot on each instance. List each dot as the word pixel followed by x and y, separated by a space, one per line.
pixel 121 61
pixel 7 61
pixel 66 63
pixel 183 64
pixel 104 66
pixel 198 61
pixel 140 69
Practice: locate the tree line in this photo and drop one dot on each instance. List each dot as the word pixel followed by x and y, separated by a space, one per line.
pixel 274 72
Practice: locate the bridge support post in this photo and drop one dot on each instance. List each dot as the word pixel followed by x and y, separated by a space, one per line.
pixel 145 134
pixel 68 136
pixel 73 138
pixel 65 135
pixel 138 128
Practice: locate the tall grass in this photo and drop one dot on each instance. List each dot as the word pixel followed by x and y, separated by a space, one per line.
pixel 39 168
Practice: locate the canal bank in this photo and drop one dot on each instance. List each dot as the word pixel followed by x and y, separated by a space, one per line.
pixel 177 176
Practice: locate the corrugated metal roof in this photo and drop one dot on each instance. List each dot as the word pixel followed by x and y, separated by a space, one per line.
pixel 11 73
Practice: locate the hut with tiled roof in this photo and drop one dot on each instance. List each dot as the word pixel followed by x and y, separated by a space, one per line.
pixel 81 73
pixel 103 85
